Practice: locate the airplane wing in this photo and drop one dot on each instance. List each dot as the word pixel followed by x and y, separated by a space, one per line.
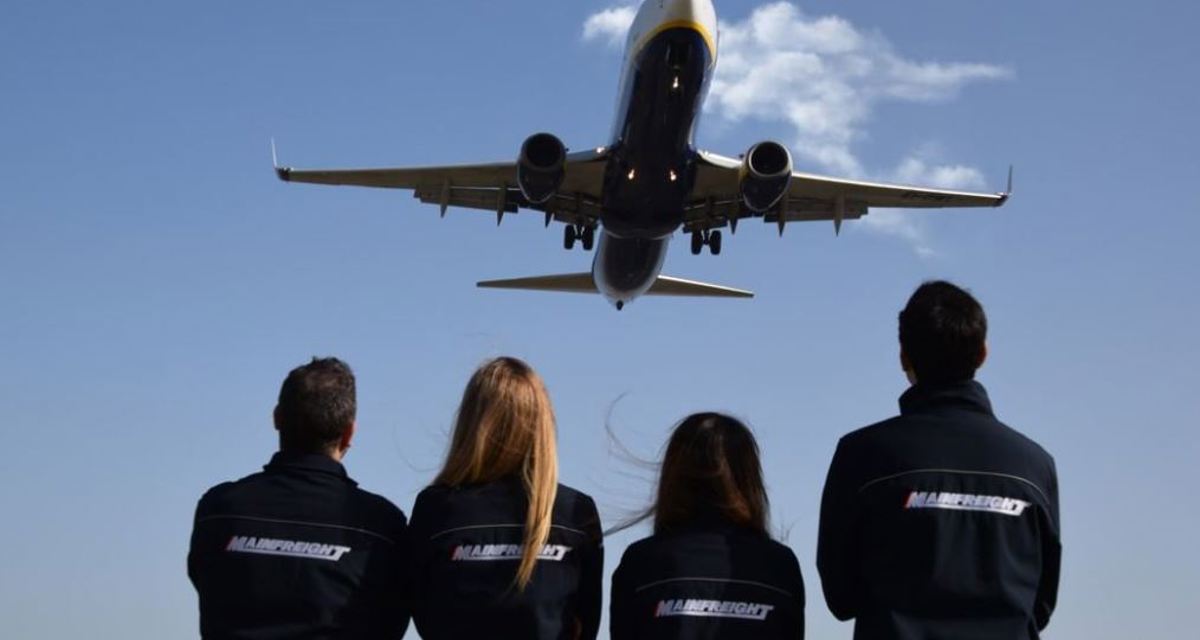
pixel 489 187
pixel 717 201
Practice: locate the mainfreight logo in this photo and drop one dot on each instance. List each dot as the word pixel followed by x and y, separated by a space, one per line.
pixel 494 552
pixel 290 548
pixel 965 502
pixel 713 609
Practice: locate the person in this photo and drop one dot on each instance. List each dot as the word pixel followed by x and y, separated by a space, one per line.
pixel 941 522
pixel 298 550
pixel 499 548
pixel 710 570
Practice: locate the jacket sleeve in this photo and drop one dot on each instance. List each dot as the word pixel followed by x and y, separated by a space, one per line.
pixel 836 541
pixel 1047 594
pixel 416 559
pixel 621 622
pixel 798 590
pixel 194 562
pixel 591 574
pixel 397 608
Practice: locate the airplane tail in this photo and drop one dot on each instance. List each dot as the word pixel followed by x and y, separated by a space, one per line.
pixel 583 283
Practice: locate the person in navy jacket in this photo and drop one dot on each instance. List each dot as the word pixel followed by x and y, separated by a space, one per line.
pixel 941 522
pixel 298 550
pixel 710 571
pixel 500 549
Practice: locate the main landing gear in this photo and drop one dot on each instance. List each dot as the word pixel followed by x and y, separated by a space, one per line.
pixel 585 235
pixel 711 239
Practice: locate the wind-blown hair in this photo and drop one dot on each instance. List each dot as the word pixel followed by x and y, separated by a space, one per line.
pixel 505 428
pixel 709 472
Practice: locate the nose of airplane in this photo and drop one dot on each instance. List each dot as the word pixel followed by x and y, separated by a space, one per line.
pixel 701 12
pixel 692 7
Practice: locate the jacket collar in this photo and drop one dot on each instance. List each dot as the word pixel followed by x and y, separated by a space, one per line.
pixel 969 395
pixel 307 462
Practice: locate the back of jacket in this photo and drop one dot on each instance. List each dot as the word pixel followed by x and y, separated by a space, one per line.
pixel 941 523
pixel 298 551
pixel 707 582
pixel 465 548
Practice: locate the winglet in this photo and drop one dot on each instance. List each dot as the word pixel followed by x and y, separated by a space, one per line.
pixel 284 173
pixel 1008 191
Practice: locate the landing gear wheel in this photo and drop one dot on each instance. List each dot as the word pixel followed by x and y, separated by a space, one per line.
pixel 714 243
pixel 569 237
pixel 588 237
pixel 697 242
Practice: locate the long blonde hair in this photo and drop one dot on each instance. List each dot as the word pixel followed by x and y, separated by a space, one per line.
pixel 505 427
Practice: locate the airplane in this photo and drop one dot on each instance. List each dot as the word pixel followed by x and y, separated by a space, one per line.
pixel 649 181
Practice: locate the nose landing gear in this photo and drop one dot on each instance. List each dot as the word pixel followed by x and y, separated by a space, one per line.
pixel 711 239
pixel 586 235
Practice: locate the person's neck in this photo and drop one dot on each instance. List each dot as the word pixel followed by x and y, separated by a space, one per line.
pixel 336 454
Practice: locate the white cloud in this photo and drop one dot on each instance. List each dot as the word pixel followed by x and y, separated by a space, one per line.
pixel 824 77
pixel 920 169
pixel 610 25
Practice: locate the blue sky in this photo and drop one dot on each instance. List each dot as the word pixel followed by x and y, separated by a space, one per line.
pixel 158 282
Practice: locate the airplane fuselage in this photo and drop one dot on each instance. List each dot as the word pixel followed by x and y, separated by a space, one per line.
pixel 651 165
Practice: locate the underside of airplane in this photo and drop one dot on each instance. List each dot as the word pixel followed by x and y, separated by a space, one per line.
pixel 628 198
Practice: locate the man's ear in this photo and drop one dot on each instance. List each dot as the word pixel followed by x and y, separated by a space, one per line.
pixel 275 417
pixel 347 436
pixel 906 366
pixel 983 355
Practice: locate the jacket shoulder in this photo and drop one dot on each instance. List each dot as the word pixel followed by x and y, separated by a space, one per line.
pixel 576 509
pixel 1024 441
pixel 226 494
pixel 380 506
pixel 866 435
pixel 574 499
pixel 214 498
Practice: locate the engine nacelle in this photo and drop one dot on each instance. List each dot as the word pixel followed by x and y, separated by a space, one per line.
pixel 541 167
pixel 765 176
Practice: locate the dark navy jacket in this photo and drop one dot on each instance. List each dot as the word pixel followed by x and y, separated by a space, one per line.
pixel 466 545
pixel 707 582
pixel 298 551
pixel 941 523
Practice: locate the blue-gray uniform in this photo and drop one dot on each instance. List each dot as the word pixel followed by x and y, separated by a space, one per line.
pixel 465 549
pixel 298 551
pixel 707 582
pixel 941 523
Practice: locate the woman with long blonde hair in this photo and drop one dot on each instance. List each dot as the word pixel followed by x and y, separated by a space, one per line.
pixel 499 548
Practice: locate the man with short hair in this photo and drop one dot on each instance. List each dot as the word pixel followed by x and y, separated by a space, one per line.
pixel 942 522
pixel 298 550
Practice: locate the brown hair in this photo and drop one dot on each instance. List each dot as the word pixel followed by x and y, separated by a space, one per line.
pixel 316 406
pixel 505 427
pixel 710 471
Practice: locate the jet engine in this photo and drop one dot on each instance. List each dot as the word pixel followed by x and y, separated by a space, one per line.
pixel 541 167
pixel 765 176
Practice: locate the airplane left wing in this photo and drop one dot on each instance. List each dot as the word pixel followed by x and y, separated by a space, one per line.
pixel 490 187
pixel 813 197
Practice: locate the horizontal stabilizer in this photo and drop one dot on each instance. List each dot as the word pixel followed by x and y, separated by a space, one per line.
pixel 565 283
pixel 668 286
pixel 583 283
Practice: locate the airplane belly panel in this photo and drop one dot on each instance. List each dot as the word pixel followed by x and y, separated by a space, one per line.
pixel 625 268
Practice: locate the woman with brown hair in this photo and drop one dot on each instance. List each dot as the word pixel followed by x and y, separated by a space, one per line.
pixel 710 570
pixel 499 549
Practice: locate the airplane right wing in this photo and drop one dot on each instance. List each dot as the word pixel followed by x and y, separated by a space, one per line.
pixel 489 187
pixel 716 199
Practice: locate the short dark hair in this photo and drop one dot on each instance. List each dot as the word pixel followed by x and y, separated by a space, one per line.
pixel 943 331
pixel 316 405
